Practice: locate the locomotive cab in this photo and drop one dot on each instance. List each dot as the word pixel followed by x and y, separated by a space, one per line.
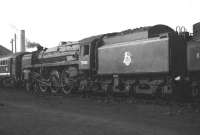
pixel 84 57
pixel 89 54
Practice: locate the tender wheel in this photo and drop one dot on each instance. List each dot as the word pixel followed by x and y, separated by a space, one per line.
pixel 107 89
pixel 66 82
pixel 55 82
pixel 95 87
pixel 195 91
pixel 132 91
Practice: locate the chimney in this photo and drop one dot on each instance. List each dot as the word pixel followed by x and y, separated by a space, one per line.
pixel 22 41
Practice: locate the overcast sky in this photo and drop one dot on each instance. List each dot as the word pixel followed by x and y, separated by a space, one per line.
pixel 50 21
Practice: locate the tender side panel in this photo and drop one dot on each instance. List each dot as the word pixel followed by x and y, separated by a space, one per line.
pixel 144 56
pixel 193 56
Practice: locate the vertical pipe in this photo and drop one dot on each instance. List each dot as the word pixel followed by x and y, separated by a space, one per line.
pixel 22 40
pixel 15 39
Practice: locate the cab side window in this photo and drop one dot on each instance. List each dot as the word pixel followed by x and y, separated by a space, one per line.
pixel 86 50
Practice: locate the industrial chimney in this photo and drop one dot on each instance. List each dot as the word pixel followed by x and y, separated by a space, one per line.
pixel 22 41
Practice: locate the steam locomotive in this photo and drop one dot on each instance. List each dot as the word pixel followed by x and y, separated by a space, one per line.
pixel 153 60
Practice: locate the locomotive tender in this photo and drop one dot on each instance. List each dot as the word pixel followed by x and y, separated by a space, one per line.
pixel 150 60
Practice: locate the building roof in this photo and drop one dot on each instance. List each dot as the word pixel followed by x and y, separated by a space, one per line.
pixel 4 51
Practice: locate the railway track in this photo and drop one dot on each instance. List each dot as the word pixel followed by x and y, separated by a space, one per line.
pixel 191 103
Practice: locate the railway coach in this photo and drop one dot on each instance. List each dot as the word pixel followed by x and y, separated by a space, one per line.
pixel 11 70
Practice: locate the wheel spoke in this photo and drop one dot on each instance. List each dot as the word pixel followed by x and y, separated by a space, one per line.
pixel 55 81
pixel 66 82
